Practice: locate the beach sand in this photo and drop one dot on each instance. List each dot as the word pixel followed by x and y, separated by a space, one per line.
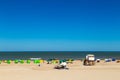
pixel 100 71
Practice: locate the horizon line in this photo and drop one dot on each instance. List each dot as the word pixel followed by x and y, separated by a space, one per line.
pixel 65 51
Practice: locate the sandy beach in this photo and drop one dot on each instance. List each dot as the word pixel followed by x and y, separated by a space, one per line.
pixel 100 71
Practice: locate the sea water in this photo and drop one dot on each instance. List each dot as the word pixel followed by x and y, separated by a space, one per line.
pixel 58 54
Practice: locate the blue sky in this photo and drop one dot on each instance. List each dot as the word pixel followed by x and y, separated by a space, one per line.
pixel 59 25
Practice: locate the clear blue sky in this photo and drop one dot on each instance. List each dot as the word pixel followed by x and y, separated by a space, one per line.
pixel 59 25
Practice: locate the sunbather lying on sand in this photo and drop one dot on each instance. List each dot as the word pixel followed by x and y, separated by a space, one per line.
pixel 61 66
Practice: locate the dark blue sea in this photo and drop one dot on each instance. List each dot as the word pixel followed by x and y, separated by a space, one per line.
pixel 58 54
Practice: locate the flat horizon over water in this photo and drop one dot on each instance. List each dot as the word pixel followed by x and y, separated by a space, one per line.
pixel 57 54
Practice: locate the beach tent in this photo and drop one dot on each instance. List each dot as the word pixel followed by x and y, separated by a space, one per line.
pixel 113 59
pixel 97 60
pixel 107 60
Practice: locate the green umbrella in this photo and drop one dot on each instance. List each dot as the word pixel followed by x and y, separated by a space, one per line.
pixel 0 61
pixel 36 61
pixel 28 61
pixel 8 61
pixel 60 61
pixel 16 61
pixel 21 61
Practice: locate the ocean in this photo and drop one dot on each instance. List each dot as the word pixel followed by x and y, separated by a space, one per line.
pixel 58 54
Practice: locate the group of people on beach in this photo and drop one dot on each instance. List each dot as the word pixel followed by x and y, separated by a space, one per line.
pixel 62 65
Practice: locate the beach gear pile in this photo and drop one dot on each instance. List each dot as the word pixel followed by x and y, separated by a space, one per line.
pixel 110 59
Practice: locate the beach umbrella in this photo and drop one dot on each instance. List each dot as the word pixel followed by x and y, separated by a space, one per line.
pixel 21 61
pixel 70 61
pixel 5 61
pixel 0 61
pixel 28 61
pixel 16 61
pixel 36 61
pixel 41 61
pixel 54 61
pixel 8 61
pixel 57 61
pixel 49 59
pixel 62 61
